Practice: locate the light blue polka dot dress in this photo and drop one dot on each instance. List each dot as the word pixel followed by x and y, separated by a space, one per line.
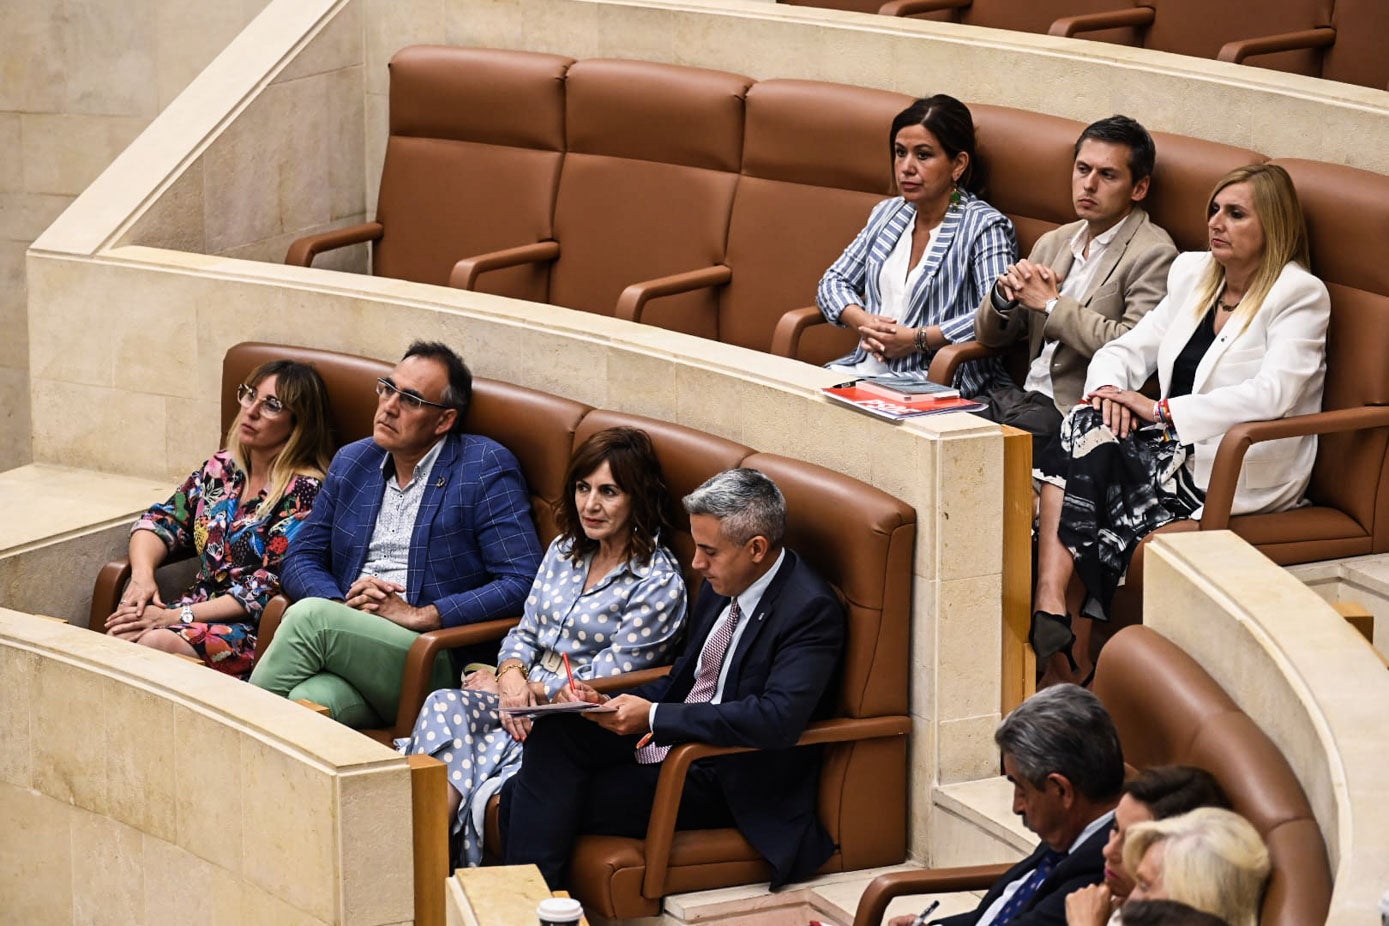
pixel 629 620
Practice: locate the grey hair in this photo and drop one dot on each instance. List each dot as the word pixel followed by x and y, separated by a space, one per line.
pixel 1065 730
pixel 746 503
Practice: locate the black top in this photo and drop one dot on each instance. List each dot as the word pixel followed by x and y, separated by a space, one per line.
pixel 1184 367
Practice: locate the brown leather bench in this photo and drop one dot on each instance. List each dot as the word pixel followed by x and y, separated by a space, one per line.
pixel 861 539
pixel 1339 40
pixel 1168 710
pixel 811 160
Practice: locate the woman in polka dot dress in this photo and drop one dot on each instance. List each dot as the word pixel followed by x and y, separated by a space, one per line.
pixel 608 595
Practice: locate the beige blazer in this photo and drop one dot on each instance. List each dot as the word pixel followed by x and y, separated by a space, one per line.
pixel 1273 368
pixel 1130 280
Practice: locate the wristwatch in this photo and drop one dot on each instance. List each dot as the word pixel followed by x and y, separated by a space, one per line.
pixel 1050 304
pixel 185 614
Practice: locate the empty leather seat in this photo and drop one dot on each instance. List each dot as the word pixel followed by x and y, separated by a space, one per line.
pixel 472 165
pixel 653 152
pixel 1228 31
pixel 1358 55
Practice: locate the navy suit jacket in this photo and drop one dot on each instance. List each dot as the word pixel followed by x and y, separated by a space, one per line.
pixel 473 551
pixel 1047 907
pixel 781 676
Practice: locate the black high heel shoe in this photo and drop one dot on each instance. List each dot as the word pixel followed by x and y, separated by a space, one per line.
pixel 1051 634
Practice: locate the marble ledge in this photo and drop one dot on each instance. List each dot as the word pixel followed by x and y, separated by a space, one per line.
pixel 46 503
pixel 988 804
pixel 769 371
pixel 258 715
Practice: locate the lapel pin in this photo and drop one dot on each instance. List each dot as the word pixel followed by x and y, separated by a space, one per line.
pixel 440 483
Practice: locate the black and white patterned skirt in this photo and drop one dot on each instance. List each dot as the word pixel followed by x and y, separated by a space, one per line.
pixel 1117 492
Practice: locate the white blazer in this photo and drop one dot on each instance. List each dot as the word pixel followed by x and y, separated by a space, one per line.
pixel 1273 368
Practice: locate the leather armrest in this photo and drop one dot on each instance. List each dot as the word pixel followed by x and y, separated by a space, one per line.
pixel 419 663
pixel 665 805
pixel 872 905
pixel 1229 458
pixel 786 338
pixel 106 592
pixel 110 584
pixel 628 680
pixel 465 273
pixel 270 617
pixel 1320 37
pixel 912 7
pixel 634 298
pixel 304 250
pixel 946 362
pixel 1097 22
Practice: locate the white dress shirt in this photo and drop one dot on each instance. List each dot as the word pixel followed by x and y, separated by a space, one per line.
pixel 990 914
pixel 748 600
pixel 1084 263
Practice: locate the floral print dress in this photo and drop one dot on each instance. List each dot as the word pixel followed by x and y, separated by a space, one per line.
pixel 630 619
pixel 239 549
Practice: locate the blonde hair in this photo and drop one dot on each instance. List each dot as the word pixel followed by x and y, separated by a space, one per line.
pixel 1285 237
pixel 1215 861
pixel 309 448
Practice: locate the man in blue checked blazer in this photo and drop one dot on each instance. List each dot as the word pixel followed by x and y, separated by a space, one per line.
pixel 418 527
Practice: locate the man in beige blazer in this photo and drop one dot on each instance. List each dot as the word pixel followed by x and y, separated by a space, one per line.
pixel 1084 284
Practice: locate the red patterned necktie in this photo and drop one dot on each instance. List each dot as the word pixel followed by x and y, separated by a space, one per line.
pixel 710 662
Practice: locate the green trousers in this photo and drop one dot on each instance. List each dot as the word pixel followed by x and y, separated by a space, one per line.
pixel 349 661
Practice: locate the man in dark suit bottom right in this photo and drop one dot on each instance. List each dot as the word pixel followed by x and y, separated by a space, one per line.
pixel 1062 755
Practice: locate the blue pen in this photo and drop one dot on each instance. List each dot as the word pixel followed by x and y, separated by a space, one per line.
pixel 921 917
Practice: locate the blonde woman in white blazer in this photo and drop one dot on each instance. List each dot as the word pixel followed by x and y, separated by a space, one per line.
pixel 1240 336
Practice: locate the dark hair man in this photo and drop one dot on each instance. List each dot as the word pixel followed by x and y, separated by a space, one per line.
pixel 1061 752
pixel 765 639
pixel 417 527
pixel 1084 284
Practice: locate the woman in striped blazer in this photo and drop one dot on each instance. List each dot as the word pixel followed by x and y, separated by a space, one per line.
pixel 911 280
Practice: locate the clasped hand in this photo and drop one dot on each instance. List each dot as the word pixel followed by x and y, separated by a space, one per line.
pixel 138 611
pixel 885 338
pixel 1031 285
pixel 631 715
pixel 1123 410
pixel 380 596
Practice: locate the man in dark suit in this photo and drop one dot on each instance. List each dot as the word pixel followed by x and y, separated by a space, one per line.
pixel 1061 752
pixel 418 527
pixel 765 641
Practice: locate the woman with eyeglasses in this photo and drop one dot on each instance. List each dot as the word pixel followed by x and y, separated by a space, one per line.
pixel 237 513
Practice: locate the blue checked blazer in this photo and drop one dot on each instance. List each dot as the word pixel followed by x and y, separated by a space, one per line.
pixel 976 242
pixel 473 552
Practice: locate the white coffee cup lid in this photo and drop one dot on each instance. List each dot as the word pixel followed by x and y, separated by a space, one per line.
pixel 558 908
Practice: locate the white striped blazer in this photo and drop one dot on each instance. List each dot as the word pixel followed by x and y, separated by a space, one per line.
pixel 976 242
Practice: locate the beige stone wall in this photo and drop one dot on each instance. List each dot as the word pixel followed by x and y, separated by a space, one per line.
pixel 127 337
pixel 137 789
pixel 1303 675
pixel 78 82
